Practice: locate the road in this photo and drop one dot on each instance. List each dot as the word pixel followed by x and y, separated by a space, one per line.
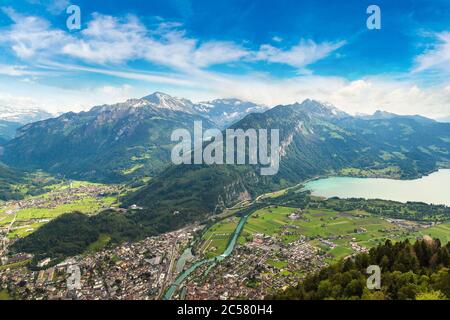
pixel 4 240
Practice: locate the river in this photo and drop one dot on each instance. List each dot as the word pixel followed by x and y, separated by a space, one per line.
pixel 229 249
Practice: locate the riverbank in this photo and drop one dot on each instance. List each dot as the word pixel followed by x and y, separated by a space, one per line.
pixel 212 261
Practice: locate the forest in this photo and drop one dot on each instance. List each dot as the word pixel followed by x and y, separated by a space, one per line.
pixel 409 271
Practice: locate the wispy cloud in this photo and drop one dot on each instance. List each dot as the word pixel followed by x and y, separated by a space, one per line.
pixel 108 40
pixel 52 6
pixel 300 55
pixel 112 40
pixel 152 77
pixel 18 71
pixel 437 57
pixel 108 44
pixel 118 40
pixel 30 36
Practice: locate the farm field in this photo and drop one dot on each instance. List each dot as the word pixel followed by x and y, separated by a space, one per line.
pixel 216 238
pixel 33 212
pixel 331 231
pixel 441 231
pixel 87 205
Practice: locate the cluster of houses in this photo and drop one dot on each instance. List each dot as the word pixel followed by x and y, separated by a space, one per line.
pixel 255 269
pixel 141 270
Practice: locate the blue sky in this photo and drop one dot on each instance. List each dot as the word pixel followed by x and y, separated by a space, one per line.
pixel 271 52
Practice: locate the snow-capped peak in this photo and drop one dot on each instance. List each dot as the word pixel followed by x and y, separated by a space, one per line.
pixel 165 101
pixel 323 108
pixel 23 115
pixel 227 111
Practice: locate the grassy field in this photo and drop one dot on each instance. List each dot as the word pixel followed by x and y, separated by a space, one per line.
pixel 101 242
pixel 87 205
pixel 277 263
pixel 216 238
pixel 343 228
pixel 30 219
pixel 393 172
pixel 132 169
pixel 442 232
pixel 24 230
pixel 340 228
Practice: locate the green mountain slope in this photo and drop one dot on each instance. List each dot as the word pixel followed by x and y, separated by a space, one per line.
pixel 315 140
pixel 8 179
pixel 108 143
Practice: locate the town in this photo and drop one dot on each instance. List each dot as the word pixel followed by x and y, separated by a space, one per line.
pixel 141 270
pixel 19 218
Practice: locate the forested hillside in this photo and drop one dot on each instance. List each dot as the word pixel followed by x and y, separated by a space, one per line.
pixel 417 270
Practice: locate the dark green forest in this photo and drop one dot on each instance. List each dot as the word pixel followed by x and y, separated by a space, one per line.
pixel 409 271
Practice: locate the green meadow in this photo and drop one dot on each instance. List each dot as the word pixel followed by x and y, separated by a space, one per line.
pixel 101 242
pixel 215 239
pixel 441 231
pixel 357 226
pixel 29 220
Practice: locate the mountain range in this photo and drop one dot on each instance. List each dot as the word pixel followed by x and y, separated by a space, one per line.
pixel 224 112
pixel 13 118
pixel 316 139
pixel 115 143
pixel 23 115
pixel 380 115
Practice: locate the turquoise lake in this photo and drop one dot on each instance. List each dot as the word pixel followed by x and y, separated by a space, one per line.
pixel 431 189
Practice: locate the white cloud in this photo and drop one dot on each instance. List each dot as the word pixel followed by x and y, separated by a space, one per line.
pixel 108 43
pixel 112 40
pixel 120 93
pixel 277 39
pixel 217 53
pixel 18 71
pixel 10 100
pixel 436 58
pixel 402 97
pixel 56 99
pixel 153 77
pixel 57 6
pixel 299 56
pixel 360 96
pixel 118 40
pixel 52 6
pixel 30 36
pixel 108 40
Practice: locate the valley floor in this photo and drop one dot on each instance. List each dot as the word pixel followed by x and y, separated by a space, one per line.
pixel 19 218
pixel 278 246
